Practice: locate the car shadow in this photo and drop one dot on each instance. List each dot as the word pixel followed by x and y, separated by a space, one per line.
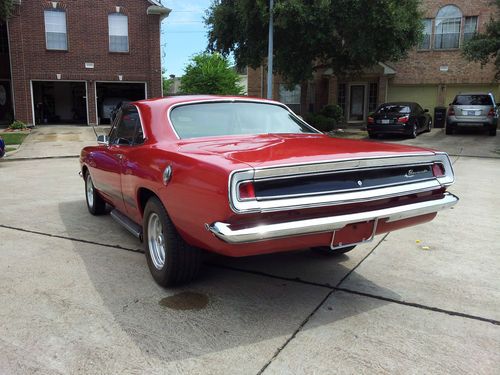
pixel 223 309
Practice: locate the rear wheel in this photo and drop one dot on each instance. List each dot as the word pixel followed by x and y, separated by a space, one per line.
pixel 372 135
pixel 326 250
pixel 414 132
pixel 95 204
pixel 493 132
pixel 170 259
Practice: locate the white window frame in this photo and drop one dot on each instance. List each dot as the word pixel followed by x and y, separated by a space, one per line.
pixel 47 27
pixel 112 16
pixel 440 21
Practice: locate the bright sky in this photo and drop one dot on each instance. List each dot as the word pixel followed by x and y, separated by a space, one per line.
pixel 183 33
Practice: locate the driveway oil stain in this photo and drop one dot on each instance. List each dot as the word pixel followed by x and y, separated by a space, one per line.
pixel 185 301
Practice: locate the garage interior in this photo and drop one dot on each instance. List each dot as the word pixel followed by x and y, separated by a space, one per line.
pixel 60 103
pixel 110 94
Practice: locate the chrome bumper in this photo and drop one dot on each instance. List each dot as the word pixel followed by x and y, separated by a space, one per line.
pixel 327 224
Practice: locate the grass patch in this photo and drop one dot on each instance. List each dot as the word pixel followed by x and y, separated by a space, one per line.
pixel 13 138
pixel 8 149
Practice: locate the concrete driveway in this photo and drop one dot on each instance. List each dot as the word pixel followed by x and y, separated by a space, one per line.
pixel 77 297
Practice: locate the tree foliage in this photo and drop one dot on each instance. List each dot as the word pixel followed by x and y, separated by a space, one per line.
pixel 5 9
pixel 345 35
pixel 485 47
pixel 210 73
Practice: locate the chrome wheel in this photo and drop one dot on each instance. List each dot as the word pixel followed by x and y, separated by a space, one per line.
pixel 156 241
pixel 90 191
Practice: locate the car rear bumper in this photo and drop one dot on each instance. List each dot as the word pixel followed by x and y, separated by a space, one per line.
pixel 466 123
pixel 389 129
pixel 231 235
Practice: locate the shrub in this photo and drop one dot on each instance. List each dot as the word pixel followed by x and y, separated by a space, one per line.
pixel 17 125
pixel 333 111
pixel 321 122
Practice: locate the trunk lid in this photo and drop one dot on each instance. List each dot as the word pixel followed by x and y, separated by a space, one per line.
pixel 267 150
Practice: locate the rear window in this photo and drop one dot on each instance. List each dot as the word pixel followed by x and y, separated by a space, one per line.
pixel 234 118
pixel 472 100
pixel 394 108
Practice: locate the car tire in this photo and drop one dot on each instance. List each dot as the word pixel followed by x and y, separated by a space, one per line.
pixel 372 135
pixel 414 131
pixel 326 250
pixel 493 132
pixel 448 130
pixel 95 204
pixel 170 259
pixel 429 126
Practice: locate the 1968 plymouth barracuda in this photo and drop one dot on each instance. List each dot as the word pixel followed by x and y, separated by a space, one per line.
pixel 239 177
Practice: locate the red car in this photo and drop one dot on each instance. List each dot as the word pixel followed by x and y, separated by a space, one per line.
pixel 239 177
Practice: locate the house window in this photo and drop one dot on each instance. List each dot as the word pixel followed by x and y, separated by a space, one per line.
pixel 470 27
pixel 55 29
pixel 372 97
pixel 118 32
pixel 447 29
pixel 341 92
pixel 426 41
pixel 290 97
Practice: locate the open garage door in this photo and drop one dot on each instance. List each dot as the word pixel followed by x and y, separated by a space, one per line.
pixel 56 102
pixel 111 94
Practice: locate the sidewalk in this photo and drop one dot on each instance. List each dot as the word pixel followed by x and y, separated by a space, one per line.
pixel 56 141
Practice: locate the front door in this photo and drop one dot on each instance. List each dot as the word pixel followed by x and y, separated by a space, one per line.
pixel 357 103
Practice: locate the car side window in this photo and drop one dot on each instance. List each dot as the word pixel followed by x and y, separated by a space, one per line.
pixel 127 129
pixel 418 108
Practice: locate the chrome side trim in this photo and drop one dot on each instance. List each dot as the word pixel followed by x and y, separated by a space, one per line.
pixel 225 232
pixel 281 204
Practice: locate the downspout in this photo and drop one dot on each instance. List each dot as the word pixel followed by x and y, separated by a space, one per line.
pixel 163 13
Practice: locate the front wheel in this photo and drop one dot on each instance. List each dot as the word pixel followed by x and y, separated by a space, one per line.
pixel 170 259
pixel 493 132
pixel 327 250
pixel 429 126
pixel 95 204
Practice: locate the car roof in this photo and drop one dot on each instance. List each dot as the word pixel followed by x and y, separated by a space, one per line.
pixel 169 101
pixel 410 104
pixel 473 93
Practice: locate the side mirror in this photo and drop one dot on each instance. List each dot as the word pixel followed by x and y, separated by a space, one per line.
pixel 102 140
pixel 426 110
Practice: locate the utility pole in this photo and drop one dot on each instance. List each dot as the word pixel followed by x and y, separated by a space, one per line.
pixel 270 53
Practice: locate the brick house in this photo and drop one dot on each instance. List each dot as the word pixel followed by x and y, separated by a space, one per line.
pixel 431 75
pixel 70 61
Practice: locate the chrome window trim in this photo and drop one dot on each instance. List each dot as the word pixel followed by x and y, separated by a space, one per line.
pixel 232 100
pixel 304 169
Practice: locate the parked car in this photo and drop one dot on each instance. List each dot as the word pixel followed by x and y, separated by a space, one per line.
pixel 399 118
pixel 474 111
pixel 2 147
pixel 108 105
pixel 241 177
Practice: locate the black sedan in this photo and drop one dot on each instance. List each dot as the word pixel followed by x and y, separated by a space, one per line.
pixel 399 118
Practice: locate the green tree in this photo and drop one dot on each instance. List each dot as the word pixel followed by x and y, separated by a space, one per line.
pixel 167 84
pixel 485 47
pixel 5 9
pixel 210 73
pixel 345 35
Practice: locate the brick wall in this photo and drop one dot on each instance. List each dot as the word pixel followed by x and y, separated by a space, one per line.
pixel 423 67
pixel 87 31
